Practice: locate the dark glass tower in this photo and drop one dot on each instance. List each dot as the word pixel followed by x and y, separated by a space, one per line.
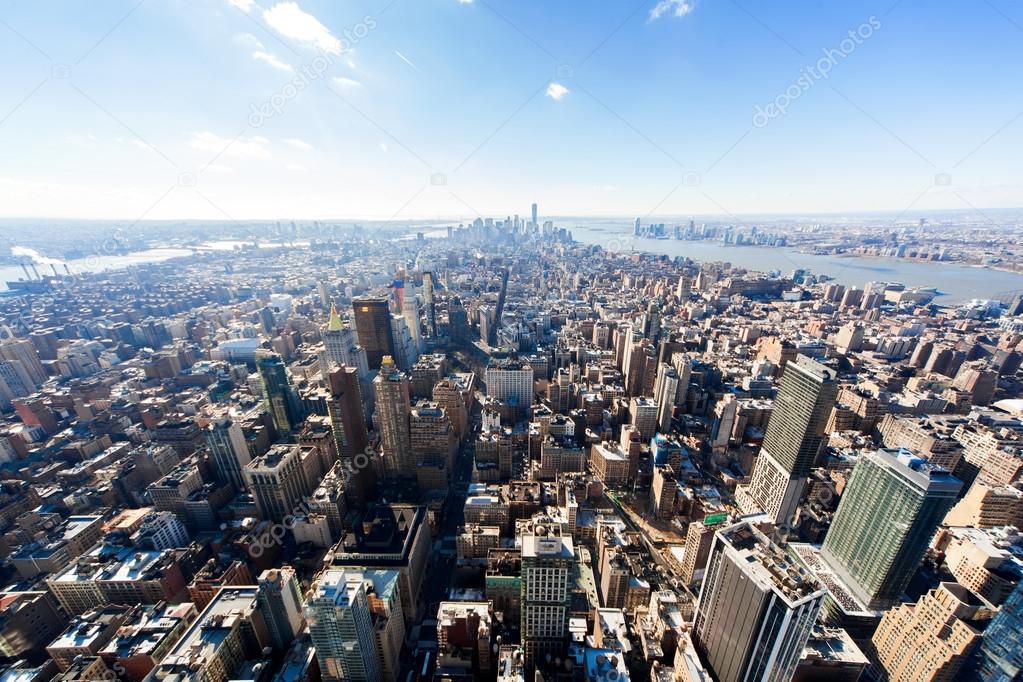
pixel 373 325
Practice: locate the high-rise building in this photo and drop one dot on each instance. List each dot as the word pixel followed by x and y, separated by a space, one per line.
pixel 699 538
pixel 393 409
pixel 278 393
pixel 794 438
pixel 999 658
pixel 887 516
pixel 373 325
pixel 511 383
pixel 228 450
pixel 756 608
pixel 280 601
pixel 406 349
pixel 356 624
pixel 347 420
pixel 932 639
pixel 341 346
pixel 277 481
pixel 665 390
pixel 547 564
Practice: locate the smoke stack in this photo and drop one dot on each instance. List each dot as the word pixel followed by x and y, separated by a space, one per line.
pixel 54 270
pixel 25 269
pixel 33 266
pixel 67 270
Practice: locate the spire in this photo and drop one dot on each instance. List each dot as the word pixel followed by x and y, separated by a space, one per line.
pixel 335 324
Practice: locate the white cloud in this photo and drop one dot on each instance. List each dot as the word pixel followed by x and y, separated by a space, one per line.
pixel 218 168
pixel 243 5
pixel 383 147
pixel 297 167
pixel 676 8
pixel 247 40
pixel 272 60
pixel 291 22
pixel 298 144
pixel 464 2
pixel 556 91
pixel 242 147
pixel 346 83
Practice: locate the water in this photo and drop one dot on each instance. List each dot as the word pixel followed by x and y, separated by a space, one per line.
pixel 956 283
pixel 11 273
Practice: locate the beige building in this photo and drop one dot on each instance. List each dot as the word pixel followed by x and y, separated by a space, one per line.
pixel 610 463
pixel 929 640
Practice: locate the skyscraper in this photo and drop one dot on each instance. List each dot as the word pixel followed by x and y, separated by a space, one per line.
pixel 341 347
pixel 373 324
pixel 393 409
pixel 547 564
pixel 794 438
pixel 888 513
pixel 1000 655
pixel 276 481
pixel 665 390
pixel 280 601
pixel 347 420
pixel 356 623
pixel 228 450
pixel 278 393
pixel 756 608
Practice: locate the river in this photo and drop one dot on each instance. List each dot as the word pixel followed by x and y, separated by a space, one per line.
pixel 956 283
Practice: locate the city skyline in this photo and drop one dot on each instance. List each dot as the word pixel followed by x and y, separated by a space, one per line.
pixel 240 110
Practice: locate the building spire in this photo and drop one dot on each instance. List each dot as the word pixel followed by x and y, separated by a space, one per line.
pixel 335 324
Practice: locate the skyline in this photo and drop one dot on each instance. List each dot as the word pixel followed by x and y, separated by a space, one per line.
pixel 162 110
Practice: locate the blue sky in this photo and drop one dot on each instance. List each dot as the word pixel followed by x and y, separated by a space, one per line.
pixel 409 109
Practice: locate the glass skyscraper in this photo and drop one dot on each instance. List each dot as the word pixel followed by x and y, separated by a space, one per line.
pixel 887 516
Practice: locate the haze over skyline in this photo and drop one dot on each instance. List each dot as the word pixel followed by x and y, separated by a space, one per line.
pixel 394 109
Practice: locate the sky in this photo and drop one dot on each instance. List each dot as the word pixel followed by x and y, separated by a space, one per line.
pixel 406 109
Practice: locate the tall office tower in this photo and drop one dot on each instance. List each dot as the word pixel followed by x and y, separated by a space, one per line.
pixel 684 288
pixel 756 609
pixel 458 322
pixel 932 639
pixel 724 420
pixel 24 352
pixel 699 538
pixel 794 438
pixel 373 325
pixel 266 320
pixel 278 393
pixel 280 602
pixel 356 624
pixel 406 352
pixel 535 224
pixel 430 305
pixel 447 393
pixel 889 511
pixel 547 564
pixel 665 390
pixel 341 627
pixel 410 311
pixel 511 383
pixel 341 347
pixel 393 409
pixel 643 415
pixel 347 420
pixel 999 658
pixel 684 368
pixel 228 450
pixel 277 481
